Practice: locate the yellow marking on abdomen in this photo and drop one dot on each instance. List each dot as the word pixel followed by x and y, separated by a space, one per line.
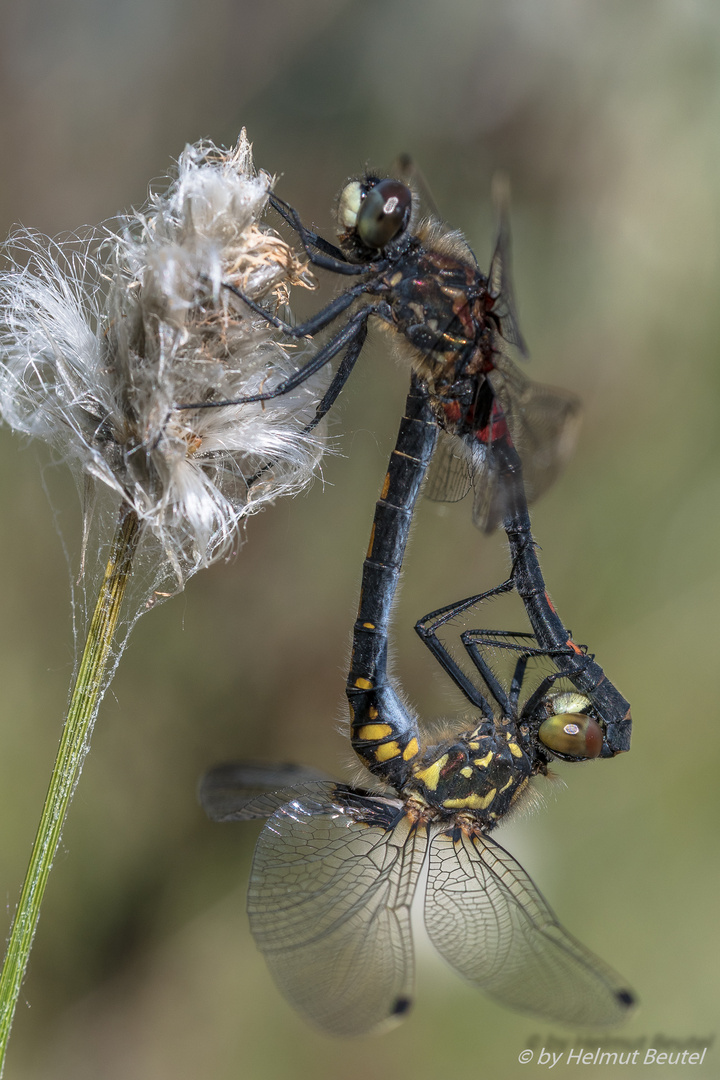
pixel 373 732
pixel 363 684
pixel 466 772
pixel 515 749
pixel 506 786
pixel 474 745
pixel 372 541
pixel 387 750
pixel 373 713
pixel 472 802
pixel 368 625
pixel 386 486
pixel 430 777
pixel 410 750
pixel 483 762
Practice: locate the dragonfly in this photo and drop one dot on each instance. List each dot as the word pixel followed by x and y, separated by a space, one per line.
pixel 337 868
pixel 455 326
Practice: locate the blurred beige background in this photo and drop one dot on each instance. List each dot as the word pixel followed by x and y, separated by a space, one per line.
pixel 606 116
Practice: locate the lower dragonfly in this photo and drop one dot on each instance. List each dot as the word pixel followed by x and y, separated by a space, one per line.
pixel 336 868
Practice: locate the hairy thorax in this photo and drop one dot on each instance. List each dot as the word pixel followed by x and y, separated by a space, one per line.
pixel 440 306
pixel 482 772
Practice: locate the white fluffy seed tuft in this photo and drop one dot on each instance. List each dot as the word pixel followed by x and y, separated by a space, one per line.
pixel 103 334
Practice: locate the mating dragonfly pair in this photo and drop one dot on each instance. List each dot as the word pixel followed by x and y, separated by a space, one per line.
pixel 337 868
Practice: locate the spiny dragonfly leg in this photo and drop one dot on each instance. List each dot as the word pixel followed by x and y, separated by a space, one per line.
pixel 319 251
pixel 355 327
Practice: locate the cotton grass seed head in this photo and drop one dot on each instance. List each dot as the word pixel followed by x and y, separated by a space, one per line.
pixel 102 334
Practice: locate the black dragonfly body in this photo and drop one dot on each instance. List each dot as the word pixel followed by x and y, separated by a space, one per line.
pixel 336 868
pixel 455 325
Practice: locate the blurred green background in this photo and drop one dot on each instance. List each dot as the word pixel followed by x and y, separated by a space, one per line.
pixel 606 116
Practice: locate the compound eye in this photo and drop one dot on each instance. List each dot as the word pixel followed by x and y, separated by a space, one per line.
pixel 572 734
pixel 384 213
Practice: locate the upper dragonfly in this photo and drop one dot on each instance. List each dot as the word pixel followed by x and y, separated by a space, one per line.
pixel 455 325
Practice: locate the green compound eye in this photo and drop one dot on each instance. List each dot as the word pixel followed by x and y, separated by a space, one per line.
pixel 572 734
pixel 384 213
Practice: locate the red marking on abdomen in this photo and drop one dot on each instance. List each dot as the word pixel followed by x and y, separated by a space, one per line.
pixel 496 428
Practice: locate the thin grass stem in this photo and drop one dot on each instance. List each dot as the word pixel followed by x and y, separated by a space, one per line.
pixel 87 693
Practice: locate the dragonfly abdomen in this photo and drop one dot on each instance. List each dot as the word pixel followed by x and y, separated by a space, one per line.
pixel 384 732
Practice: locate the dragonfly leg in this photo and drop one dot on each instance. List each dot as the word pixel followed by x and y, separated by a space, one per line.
pixel 353 328
pixel 319 252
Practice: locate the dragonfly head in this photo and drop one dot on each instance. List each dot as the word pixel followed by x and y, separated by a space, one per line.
pixel 569 732
pixel 372 215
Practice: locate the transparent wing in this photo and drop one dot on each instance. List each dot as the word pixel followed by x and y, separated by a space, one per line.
pixel 451 470
pixel 239 791
pixel 544 422
pixel 491 490
pixel 329 906
pixel 488 920
pixel 461 463
pixel 500 284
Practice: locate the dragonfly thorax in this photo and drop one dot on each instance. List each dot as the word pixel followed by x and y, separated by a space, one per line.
pixel 439 309
pixel 482 771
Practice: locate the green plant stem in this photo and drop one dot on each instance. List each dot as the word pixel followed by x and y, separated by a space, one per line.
pixel 84 703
